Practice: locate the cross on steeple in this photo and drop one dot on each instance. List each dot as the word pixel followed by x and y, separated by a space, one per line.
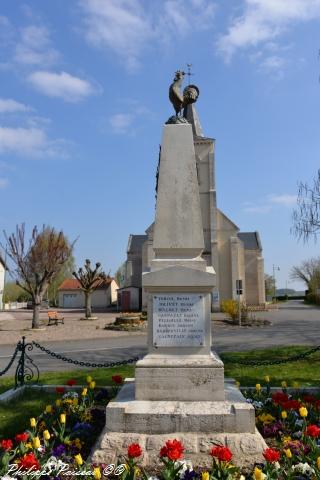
pixel 189 65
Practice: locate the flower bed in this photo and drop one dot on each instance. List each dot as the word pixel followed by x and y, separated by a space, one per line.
pixel 58 442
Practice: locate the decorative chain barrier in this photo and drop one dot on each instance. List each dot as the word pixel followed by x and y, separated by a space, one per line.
pixel 2 372
pixel 27 370
pixel 85 364
pixel 293 358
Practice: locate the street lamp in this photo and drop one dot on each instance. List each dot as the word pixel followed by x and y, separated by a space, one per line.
pixel 274 268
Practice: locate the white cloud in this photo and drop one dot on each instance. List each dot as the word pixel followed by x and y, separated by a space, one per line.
pixel 3 182
pixel 34 47
pixel 129 27
pixel 8 105
pixel 257 209
pixel 263 21
pixel 32 142
pixel 61 85
pixel 284 199
pixel 270 202
pixel 121 122
pixel 130 120
pixel 273 62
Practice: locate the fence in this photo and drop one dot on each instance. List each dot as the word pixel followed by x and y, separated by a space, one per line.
pixel 15 305
pixel 27 371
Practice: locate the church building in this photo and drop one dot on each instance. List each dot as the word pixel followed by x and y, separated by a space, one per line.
pixel 233 254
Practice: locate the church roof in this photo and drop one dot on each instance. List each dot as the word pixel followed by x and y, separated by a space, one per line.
pixel 191 114
pixel 251 240
pixel 135 243
pixel 74 284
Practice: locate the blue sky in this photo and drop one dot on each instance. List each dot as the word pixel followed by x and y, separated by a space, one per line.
pixel 84 87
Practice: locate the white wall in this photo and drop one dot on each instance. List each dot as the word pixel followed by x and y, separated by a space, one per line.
pixel 101 298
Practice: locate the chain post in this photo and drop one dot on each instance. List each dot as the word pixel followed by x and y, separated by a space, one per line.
pixel 19 377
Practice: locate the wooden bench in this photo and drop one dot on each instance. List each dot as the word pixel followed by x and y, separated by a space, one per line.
pixel 54 318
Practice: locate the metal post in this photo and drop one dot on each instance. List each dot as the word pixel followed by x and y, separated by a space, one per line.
pixel 22 363
pixel 239 296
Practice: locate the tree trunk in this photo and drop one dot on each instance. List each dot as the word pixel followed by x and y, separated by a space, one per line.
pixel 88 304
pixel 35 318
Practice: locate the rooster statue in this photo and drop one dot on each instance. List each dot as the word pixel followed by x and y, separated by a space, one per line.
pixel 181 100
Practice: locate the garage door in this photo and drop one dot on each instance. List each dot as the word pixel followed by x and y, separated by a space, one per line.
pixel 69 300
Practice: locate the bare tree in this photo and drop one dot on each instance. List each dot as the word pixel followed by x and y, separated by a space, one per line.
pixel 89 279
pixel 37 262
pixel 306 217
pixel 309 272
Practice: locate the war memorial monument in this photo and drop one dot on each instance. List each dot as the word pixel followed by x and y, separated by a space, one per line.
pixel 179 390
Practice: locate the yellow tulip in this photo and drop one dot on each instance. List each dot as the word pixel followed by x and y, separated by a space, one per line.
pixel 89 379
pixel 284 415
pixel 48 409
pixel 46 435
pixel 205 476
pixel 97 473
pixel 318 463
pixel 288 453
pixel 36 442
pixel 75 402
pixel 267 378
pixel 33 422
pixel 58 402
pixel 63 418
pixel 84 392
pixel 258 387
pixel 92 385
pixel 78 459
pixel 258 474
pixel 303 412
pixel 295 384
pixel 238 385
pixel 284 384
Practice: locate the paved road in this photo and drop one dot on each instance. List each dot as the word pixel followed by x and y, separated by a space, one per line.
pixel 292 324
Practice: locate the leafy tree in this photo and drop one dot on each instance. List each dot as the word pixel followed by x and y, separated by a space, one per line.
pixel 37 263
pixel 269 285
pixel 14 293
pixel 89 280
pixel 306 217
pixel 309 272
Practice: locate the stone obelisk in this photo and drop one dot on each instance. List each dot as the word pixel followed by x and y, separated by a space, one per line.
pixel 179 389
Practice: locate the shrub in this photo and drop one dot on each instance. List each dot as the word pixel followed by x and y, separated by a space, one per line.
pixel 231 307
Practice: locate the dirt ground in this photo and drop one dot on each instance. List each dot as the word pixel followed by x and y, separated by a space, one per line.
pixel 16 323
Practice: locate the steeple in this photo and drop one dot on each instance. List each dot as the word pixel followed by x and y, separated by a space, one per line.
pixel 191 114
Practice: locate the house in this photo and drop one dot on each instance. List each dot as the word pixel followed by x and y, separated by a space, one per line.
pixel 70 294
pixel 233 254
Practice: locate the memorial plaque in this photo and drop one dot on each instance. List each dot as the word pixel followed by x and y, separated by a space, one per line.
pixel 178 320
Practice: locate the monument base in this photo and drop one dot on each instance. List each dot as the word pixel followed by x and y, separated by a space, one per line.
pixel 197 424
pixel 180 377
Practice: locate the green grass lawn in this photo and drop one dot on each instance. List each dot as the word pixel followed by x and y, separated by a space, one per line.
pixel 14 416
pixel 305 372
